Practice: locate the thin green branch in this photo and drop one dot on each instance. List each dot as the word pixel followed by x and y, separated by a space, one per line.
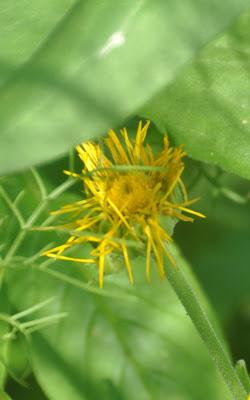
pixel 32 309
pixel 40 326
pixel 26 225
pixel 49 220
pixel 19 197
pixel 15 324
pixel 43 320
pixel 39 182
pixel 53 195
pixel 30 326
pixel 15 245
pixel 62 188
pixel 13 207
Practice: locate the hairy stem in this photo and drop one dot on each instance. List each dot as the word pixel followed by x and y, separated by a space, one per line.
pixel 190 301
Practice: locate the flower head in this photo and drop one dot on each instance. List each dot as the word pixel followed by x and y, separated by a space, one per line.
pixel 128 191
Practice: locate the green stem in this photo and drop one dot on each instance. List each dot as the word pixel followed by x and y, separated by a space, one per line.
pixel 188 298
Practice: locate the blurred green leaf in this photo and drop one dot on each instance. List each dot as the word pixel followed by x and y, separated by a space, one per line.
pixel 17 357
pixel 142 348
pixel 31 390
pixel 26 24
pixel 207 108
pixel 88 67
pixel 218 247
pixel 4 396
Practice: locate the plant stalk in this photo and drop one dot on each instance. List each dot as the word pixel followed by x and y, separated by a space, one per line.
pixel 190 301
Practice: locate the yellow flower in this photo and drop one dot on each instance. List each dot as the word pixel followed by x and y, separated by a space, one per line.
pixel 128 192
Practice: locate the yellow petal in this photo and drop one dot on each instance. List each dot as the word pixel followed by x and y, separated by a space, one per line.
pixel 127 262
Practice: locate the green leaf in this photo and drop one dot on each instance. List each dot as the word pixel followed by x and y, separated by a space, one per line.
pixel 29 391
pixel 87 68
pixel 144 346
pixel 217 247
pixel 4 396
pixel 207 108
pixel 17 20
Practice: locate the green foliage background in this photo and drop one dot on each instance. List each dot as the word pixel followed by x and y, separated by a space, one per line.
pixel 69 70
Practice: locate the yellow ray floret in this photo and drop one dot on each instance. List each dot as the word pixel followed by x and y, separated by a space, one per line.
pixel 128 189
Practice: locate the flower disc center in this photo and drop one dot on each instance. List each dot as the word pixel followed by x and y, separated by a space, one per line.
pixel 131 194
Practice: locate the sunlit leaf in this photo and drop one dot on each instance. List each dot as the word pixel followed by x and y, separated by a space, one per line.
pixel 90 66
pixel 207 108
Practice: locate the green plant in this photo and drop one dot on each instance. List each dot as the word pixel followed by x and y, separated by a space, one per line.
pixel 72 70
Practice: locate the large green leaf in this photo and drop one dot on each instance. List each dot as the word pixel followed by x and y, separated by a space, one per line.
pixel 92 68
pixel 17 22
pixel 207 108
pixel 144 347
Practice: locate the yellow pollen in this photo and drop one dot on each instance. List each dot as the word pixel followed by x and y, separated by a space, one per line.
pixel 131 194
